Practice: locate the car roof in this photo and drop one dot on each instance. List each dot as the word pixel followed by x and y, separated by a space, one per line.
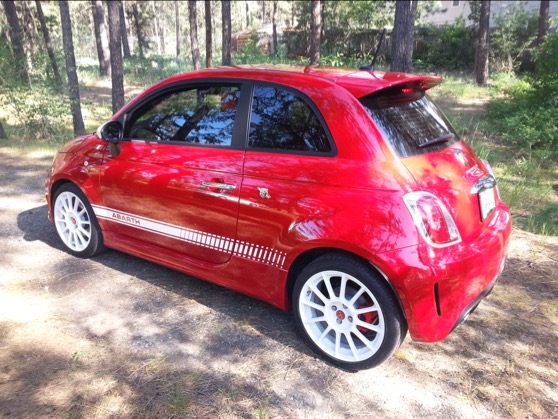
pixel 358 82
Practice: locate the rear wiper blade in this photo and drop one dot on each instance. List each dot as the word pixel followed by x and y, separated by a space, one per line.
pixel 441 139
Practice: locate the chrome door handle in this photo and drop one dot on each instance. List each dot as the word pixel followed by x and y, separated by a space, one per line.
pixel 216 185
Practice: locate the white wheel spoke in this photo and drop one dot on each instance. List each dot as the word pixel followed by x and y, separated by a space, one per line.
pixel 327 282
pixel 363 339
pixel 343 288
pixel 314 320
pixel 84 232
pixel 319 293
pixel 369 326
pixel 349 338
pixel 371 309
pixel 312 304
pixel 357 296
pixel 325 333
pixel 80 238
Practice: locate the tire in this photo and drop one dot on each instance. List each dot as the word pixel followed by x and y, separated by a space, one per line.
pixel 347 313
pixel 75 222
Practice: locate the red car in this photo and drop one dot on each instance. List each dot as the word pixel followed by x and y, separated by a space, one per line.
pixel 344 195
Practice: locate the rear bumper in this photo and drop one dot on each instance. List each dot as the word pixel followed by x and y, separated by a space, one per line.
pixel 468 310
pixel 439 288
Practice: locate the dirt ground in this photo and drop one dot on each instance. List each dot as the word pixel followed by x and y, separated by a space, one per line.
pixel 116 336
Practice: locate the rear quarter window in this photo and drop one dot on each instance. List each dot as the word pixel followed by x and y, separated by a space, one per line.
pixel 282 121
pixel 410 122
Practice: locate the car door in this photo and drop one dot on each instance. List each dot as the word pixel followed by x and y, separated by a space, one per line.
pixel 176 181
pixel 285 175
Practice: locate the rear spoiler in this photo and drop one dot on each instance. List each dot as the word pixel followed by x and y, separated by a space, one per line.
pixel 356 82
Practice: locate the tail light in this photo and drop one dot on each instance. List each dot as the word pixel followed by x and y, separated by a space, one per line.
pixel 489 168
pixel 432 219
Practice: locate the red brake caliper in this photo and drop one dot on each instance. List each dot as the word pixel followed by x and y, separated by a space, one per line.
pixel 369 317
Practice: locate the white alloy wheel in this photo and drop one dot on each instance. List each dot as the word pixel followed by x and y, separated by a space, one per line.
pixel 342 316
pixel 75 222
pixel 347 313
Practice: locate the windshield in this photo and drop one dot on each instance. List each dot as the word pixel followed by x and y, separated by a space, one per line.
pixel 411 126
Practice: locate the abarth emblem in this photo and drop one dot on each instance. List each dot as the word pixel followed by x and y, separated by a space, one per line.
pixel 264 193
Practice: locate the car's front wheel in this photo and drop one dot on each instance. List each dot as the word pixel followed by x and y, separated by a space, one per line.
pixel 75 222
pixel 347 313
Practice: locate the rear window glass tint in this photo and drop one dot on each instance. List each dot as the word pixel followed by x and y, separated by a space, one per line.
pixel 282 121
pixel 411 127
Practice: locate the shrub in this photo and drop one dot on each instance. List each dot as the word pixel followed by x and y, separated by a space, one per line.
pixel 450 46
pixel 528 117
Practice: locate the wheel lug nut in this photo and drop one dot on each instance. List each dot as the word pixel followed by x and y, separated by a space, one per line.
pixel 338 321
pixel 350 318
pixel 334 308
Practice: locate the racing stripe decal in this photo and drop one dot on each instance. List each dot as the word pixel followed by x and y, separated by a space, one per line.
pixel 240 248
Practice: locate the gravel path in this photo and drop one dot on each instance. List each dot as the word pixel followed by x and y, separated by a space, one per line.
pixel 116 336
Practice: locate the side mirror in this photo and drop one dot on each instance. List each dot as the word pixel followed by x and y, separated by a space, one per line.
pixel 111 132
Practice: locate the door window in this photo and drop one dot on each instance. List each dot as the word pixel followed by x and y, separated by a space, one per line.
pixel 203 115
pixel 282 120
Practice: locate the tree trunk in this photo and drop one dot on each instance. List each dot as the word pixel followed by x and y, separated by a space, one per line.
pixel 226 13
pixel 177 29
pixel 124 31
pixel 193 17
pixel 48 43
pixel 543 21
pixel 208 35
pixel 402 37
pixel 115 44
pixel 16 36
pixel 137 25
pixel 247 15
pixel 275 42
pixel 156 24
pixel 315 32
pixel 2 132
pixel 481 57
pixel 101 39
pixel 73 84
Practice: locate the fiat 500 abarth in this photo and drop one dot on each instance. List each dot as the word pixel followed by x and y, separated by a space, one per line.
pixel 344 195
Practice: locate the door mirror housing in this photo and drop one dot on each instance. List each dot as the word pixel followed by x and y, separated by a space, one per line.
pixel 112 132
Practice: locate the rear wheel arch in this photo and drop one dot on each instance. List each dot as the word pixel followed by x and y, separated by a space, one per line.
pixel 307 257
pixel 367 323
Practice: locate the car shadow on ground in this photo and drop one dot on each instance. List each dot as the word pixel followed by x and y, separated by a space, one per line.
pixel 154 371
pixel 242 309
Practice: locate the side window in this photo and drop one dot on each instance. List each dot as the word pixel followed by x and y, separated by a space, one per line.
pixel 282 120
pixel 201 115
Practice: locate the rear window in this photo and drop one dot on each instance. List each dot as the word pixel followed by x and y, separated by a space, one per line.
pixel 410 122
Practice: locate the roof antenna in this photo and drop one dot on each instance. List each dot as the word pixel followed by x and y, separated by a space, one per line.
pixel 371 66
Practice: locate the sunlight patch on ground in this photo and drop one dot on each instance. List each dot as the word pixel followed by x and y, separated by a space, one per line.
pixel 22 309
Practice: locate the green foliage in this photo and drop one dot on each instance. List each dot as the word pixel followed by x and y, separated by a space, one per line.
pixel 527 117
pixel 514 34
pixel 526 186
pixel 450 46
pixel 39 116
pixel 547 77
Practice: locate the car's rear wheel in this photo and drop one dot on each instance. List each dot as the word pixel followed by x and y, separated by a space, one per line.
pixel 75 222
pixel 347 313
